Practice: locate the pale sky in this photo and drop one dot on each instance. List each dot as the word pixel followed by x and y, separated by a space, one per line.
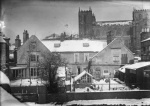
pixel 44 17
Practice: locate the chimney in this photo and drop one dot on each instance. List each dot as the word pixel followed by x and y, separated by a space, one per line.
pixel 25 36
pixel 17 42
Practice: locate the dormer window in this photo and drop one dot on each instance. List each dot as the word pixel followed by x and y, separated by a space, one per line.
pixel 57 45
pixel 85 44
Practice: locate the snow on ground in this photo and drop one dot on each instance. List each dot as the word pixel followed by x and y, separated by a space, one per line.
pixel 26 82
pixel 102 85
pixel 139 102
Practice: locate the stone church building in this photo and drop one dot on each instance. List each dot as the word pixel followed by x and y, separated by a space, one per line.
pixel 128 30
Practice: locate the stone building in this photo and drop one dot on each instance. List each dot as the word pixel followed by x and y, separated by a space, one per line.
pixel 129 30
pixel 2 53
pixel 28 56
pixel 76 52
pixel 111 58
pixel 141 20
pixel 86 22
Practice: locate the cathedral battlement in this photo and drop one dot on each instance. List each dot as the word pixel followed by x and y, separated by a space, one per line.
pixel 141 10
pixel 114 23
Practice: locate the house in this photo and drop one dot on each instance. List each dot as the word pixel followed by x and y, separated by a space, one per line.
pixel 138 75
pixel 111 58
pixel 28 56
pixel 75 52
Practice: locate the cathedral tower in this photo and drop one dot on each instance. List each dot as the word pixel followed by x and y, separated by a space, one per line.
pixel 86 22
pixel 141 20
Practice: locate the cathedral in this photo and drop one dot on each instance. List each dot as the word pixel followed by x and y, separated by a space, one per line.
pixel 128 30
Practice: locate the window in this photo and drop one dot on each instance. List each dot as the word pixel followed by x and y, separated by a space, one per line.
pixel 31 71
pixel 116 59
pixel 33 57
pixel 116 54
pixel 37 72
pixel 86 57
pixel 34 72
pixel 76 57
pixel 105 72
pixel 85 44
pixel 79 71
pixel 57 45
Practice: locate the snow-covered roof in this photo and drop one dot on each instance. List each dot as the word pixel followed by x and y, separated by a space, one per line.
pixel 4 79
pixel 122 69
pixel 81 74
pixel 14 68
pixel 124 22
pixel 145 40
pixel 75 45
pixel 138 65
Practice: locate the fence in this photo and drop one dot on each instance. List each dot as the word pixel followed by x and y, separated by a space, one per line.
pixel 65 97
pixel 29 89
pixel 40 95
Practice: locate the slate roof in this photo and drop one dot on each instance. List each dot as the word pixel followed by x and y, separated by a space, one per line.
pixel 75 45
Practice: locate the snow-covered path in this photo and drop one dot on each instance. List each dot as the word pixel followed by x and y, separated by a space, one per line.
pixel 139 102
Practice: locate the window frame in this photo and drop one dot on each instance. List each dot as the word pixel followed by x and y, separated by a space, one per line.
pixel 86 55
pixel 77 57
pixel 104 73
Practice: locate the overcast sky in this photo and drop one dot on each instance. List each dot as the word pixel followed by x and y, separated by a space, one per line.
pixel 44 17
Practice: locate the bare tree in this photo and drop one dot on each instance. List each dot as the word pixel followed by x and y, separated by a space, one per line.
pixel 48 66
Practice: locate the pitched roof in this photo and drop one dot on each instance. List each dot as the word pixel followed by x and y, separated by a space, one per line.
pixel 75 45
pixel 81 74
pixel 138 65
pixel 110 45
